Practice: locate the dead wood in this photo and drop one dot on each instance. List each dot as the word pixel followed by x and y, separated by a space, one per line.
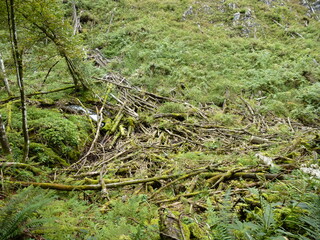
pixel 216 179
pixel 177 180
pixel 12 98
pixel 56 186
pixel 29 167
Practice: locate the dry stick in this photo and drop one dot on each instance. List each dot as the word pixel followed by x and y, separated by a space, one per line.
pixel 290 125
pixel 103 186
pixel 153 95
pixel 183 195
pixel 114 157
pixel 186 195
pixel 230 175
pixel 138 89
pixel 97 133
pixel 129 110
pixel 50 69
pixel 183 138
pixel 35 94
pixel 177 180
pixel 110 22
pixel 286 29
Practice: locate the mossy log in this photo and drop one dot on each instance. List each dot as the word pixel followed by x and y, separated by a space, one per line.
pixel 33 169
pixel 123 182
pixel 178 179
pixel 57 186
pixel 95 186
pixel 236 175
pixel 170 225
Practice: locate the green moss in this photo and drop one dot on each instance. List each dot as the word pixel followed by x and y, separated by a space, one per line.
pixel 196 232
pixel 45 155
pixel 172 107
pixel 67 136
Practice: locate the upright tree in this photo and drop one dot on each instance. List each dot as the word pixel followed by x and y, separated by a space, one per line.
pixel 4 76
pixel 17 56
pixel 4 139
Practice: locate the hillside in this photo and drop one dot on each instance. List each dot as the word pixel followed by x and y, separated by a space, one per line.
pixel 172 119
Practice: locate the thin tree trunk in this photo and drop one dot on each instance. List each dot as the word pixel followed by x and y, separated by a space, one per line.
pixel 3 139
pixel 5 79
pixel 75 19
pixel 74 71
pixel 19 72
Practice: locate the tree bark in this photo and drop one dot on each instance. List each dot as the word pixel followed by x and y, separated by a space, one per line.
pixel 75 19
pixel 5 79
pixel 3 139
pixel 17 55
pixel 33 169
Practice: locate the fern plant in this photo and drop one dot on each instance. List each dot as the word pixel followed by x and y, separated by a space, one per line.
pixel 219 221
pixel 311 222
pixel 20 209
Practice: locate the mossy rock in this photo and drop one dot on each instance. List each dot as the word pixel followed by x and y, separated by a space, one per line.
pixel 41 153
pixel 66 134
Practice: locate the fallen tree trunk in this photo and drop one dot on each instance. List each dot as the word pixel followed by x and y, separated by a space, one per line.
pixel 33 169
pixel 98 186
pixel 57 186
pixel 216 179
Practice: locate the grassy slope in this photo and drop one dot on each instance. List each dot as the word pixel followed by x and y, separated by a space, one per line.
pixel 202 55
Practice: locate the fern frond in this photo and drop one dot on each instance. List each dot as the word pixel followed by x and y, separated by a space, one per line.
pixel 15 214
pixel 312 220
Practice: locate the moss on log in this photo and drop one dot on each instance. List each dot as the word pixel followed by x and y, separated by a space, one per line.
pixel 33 169
pixel 57 186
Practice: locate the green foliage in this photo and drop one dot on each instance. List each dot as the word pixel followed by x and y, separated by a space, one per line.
pixel 17 213
pixel 172 107
pixel 219 221
pixel 132 219
pixel 310 96
pixel 311 221
pixel 266 224
pixel 226 119
pixel 61 136
pixel 200 56
pixel 57 132
pixel 74 219
pixel 46 156
pixel 268 220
